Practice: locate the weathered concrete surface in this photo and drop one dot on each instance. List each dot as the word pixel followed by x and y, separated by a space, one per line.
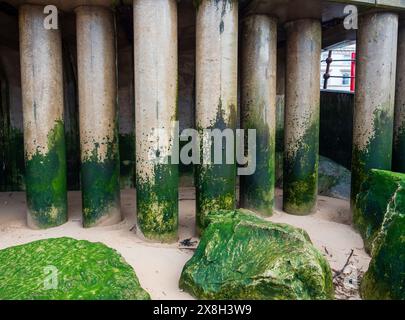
pixel 44 140
pixel 97 81
pixel 156 74
pixel 258 108
pixel 398 155
pixel 301 129
pixel 216 99
pixel 375 92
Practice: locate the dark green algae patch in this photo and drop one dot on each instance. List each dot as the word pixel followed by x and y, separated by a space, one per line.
pixel 385 278
pixel 85 271
pixel 376 155
pixel 241 256
pixel 372 203
pixel 100 185
pixel 300 176
pixel 215 183
pixel 157 204
pixel 257 190
pixel 45 178
pixel 215 190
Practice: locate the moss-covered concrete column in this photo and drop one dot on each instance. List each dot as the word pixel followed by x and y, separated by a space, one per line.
pixel 155 62
pixel 375 92
pixel 216 99
pixel 301 127
pixel 97 79
pixel 398 156
pixel 44 138
pixel 258 104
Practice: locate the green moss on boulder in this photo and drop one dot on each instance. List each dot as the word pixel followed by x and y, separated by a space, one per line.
pixel 372 202
pixel 84 271
pixel 241 256
pixel 385 278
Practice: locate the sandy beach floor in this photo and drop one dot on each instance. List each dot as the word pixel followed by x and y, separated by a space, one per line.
pixel 159 266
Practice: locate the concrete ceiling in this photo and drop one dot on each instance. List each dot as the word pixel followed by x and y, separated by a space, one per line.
pixel 285 9
pixel 330 12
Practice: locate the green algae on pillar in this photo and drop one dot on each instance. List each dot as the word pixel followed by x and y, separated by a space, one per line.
pixel 97 80
pixel 374 100
pixel 155 64
pixel 44 138
pixel 398 155
pixel 258 106
pixel 301 145
pixel 216 99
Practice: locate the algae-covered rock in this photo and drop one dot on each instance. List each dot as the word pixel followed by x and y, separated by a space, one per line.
pixel 241 256
pixel 66 269
pixel 385 278
pixel 372 203
pixel 333 180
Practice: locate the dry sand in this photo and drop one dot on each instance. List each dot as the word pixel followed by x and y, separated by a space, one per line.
pixel 159 266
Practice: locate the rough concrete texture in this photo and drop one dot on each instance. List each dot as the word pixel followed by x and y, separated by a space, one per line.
pixel 258 108
pixel 375 93
pixel 216 98
pixel 301 129
pixel 156 91
pixel 44 141
pixel 97 82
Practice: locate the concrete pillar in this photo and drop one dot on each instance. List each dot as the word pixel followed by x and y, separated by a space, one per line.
pixel 258 104
pixel 301 129
pixel 44 137
pixel 375 92
pixel 155 63
pixel 398 156
pixel 216 99
pixel 97 82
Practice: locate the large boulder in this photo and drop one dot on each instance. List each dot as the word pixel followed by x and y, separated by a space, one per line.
pixel 372 203
pixel 66 269
pixel 241 256
pixel 385 278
